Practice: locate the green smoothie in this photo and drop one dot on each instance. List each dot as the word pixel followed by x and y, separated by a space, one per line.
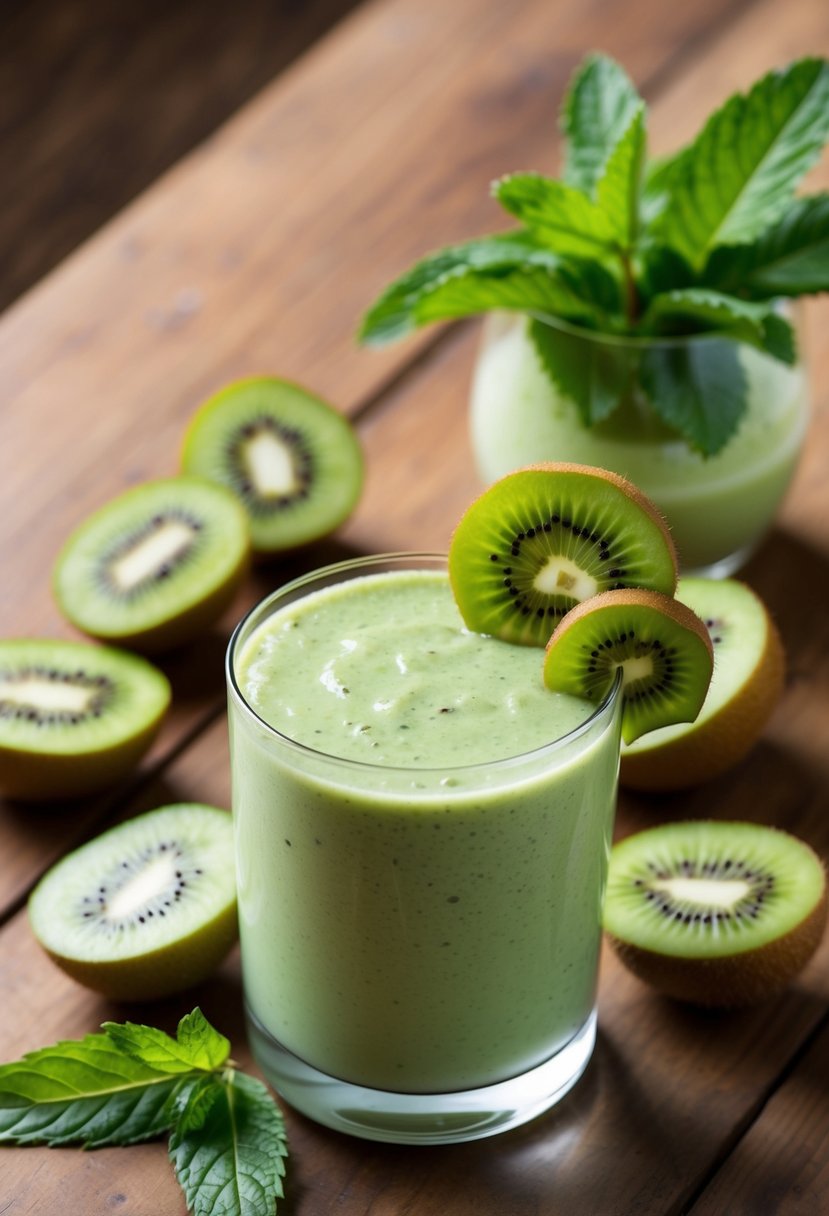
pixel 420 864
pixel 717 507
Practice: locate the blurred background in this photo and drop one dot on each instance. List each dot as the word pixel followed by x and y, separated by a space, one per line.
pixel 97 98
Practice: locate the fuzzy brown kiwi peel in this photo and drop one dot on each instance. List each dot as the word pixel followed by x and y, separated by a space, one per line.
pixel 749 672
pixel 716 914
pixel 546 538
pixel 661 648
pixel 146 909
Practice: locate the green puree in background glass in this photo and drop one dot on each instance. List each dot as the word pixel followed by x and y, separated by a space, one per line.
pixel 407 922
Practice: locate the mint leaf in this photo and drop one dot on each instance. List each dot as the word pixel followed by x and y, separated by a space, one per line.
pixel 191 1101
pixel 391 316
pixel 697 388
pixel 86 1092
pixel 234 1164
pixel 789 259
pixel 196 1046
pixel 618 190
pixel 557 214
pixel 594 375
pixel 740 173
pixel 696 310
pixel 597 111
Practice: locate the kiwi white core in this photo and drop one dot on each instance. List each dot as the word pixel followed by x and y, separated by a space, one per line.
pixel 562 574
pixel 151 553
pixel 270 465
pixel 705 892
pixel 638 668
pixel 50 696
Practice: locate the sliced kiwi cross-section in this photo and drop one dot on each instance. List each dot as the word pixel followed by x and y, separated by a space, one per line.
pixel 156 565
pixel 294 462
pixel 661 648
pixel 146 909
pixel 546 538
pixel 73 717
pixel 749 666
pixel 718 914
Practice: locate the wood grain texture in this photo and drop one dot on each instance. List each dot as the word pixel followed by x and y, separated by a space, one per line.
pixel 257 253
pixel 98 99
pixel 671 1092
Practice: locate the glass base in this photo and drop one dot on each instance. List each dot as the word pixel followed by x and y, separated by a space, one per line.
pixel 376 1114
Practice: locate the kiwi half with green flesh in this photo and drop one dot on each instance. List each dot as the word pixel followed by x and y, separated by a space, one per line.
pixel 718 914
pixel 146 909
pixel 749 670
pixel 660 646
pixel 293 462
pixel 155 566
pixel 548 537
pixel 74 717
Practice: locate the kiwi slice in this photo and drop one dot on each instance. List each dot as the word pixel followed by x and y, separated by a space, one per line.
pixel 718 914
pixel 74 717
pixel 749 669
pixel 156 565
pixel 545 538
pixel 146 909
pixel 293 461
pixel 660 647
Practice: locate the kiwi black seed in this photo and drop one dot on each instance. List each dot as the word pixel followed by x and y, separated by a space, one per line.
pixel 292 460
pixel 146 909
pixel 155 566
pixel 545 538
pixel 718 914
pixel 658 646
pixel 74 717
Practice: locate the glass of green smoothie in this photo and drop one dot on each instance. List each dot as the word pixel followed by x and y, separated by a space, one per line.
pixel 422 833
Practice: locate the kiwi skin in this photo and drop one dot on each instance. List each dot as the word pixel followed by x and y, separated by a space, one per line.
pixel 718 744
pixel 35 777
pixel 164 972
pixel 734 982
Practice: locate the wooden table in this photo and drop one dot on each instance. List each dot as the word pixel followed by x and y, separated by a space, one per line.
pixel 258 252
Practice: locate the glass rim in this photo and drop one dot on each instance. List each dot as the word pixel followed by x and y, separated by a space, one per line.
pixel 640 342
pixel 237 697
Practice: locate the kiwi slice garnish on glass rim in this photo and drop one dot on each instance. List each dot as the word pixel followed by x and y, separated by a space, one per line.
pixel 546 538
pixel 718 914
pixel 74 717
pixel 293 462
pixel 749 669
pixel 156 565
pixel 146 909
pixel 660 647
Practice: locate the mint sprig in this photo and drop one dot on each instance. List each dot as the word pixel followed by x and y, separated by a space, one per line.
pixel 702 242
pixel 134 1083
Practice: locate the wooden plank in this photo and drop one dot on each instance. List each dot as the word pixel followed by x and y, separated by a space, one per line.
pixel 781 1167
pixel 97 101
pixel 258 252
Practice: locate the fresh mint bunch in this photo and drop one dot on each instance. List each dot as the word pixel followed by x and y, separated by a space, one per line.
pixel 134 1083
pixel 704 242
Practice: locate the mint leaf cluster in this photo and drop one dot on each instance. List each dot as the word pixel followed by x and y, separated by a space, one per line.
pixel 706 242
pixel 134 1083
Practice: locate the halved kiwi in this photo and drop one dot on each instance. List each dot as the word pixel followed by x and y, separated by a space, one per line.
pixel 146 909
pixel 74 717
pixel 718 914
pixel 155 566
pixel 749 667
pixel 293 462
pixel 546 538
pixel 659 645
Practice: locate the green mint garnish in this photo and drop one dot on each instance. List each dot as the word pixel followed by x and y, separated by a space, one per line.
pixel 134 1083
pixel 703 242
